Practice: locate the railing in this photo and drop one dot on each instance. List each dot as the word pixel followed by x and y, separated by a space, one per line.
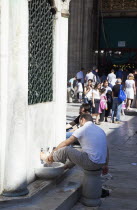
pixel 40 52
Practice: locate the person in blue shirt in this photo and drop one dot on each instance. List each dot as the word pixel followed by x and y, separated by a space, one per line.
pixel 119 74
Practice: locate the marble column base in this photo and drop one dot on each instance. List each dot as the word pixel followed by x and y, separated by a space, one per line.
pixel 90 202
pixel 91 188
pixel 15 193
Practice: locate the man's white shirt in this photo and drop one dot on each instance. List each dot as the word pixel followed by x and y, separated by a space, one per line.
pixel 90 76
pixel 111 77
pixel 93 141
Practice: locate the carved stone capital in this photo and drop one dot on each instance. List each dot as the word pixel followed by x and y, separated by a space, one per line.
pixel 65 8
pixel 62 6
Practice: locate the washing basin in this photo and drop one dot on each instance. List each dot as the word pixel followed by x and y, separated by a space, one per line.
pixel 50 171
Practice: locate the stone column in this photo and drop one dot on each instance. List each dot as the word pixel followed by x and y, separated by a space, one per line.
pixel 4 31
pixel 83 36
pixel 95 28
pixel 14 90
pixel 75 37
pixel 90 33
pixel 87 48
pixel 60 65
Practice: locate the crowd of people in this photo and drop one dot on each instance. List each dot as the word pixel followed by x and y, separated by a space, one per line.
pixel 102 93
pixel 100 97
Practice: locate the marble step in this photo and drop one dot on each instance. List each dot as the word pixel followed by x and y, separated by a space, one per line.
pixel 60 194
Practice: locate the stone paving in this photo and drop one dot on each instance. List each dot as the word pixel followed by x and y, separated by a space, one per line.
pixel 122 142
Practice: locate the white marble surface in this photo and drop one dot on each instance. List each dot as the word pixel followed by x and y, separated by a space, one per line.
pixel 47 121
pixel 26 129
pixel 17 88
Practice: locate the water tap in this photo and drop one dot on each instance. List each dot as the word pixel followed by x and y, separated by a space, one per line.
pixel 42 150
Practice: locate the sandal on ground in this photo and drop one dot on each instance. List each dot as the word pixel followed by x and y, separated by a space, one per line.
pixel 98 123
pixel 117 122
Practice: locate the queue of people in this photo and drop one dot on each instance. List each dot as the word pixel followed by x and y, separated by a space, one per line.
pixel 103 97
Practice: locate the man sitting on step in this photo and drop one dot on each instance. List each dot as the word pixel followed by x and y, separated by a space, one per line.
pixel 72 126
pixel 94 153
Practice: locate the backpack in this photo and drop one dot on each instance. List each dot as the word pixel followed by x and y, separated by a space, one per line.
pixel 103 103
pixel 121 95
pixel 109 99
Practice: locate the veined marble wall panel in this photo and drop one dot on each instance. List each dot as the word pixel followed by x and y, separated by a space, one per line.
pixel 41 133
pixel 47 121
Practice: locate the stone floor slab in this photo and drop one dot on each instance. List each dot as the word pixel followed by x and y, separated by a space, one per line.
pixel 122 141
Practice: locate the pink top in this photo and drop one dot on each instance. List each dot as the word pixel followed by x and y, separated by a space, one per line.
pixel 103 103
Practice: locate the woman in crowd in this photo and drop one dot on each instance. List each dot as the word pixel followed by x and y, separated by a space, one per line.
pixel 105 85
pixel 88 93
pixel 79 91
pixel 96 101
pixel 130 89
pixel 103 104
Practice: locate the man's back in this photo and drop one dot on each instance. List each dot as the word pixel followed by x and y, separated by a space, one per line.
pixel 110 77
pixel 93 141
pixel 80 75
pixel 89 76
pixel 119 74
pixel 116 89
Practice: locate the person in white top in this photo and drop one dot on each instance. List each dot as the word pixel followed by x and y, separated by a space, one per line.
pixel 88 92
pixel 94 154
pixel 71 82
pixel 96 102
pixel 79 91
pixel 105 85
pixel 80 75
pixel 130 89
pixel 113 82
pixel 111 77
pixel 71 90
pixel 90 76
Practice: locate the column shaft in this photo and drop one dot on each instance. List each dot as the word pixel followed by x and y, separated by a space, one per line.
pixel 16 78
pixel 83 35
pixel 60 68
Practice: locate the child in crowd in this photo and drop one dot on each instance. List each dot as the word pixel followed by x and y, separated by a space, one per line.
pixel 79 91
pixel 123 107
pixel 103 104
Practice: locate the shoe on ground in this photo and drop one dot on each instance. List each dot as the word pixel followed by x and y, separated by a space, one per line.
pixel 97 123
pixel 117 122
pixel 105 193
